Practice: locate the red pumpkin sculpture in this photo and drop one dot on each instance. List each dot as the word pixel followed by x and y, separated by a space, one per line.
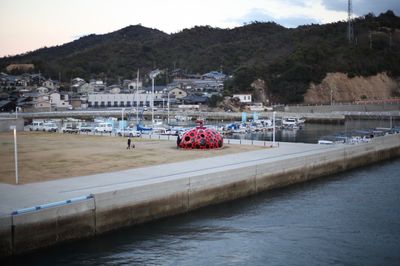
pixel 201 137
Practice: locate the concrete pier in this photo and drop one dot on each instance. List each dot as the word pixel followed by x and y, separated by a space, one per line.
pixel 42 214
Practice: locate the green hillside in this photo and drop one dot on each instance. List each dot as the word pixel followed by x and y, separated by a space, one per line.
pixel 287 59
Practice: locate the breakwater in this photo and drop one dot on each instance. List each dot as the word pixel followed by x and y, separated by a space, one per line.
pixel 145 194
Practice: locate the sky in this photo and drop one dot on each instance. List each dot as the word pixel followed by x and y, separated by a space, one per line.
pixel 27 25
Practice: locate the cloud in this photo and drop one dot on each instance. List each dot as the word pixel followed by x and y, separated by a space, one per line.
pixel 294 22
pixel 292 13
pixel 264 16
pixel 363 7
pixel 253 15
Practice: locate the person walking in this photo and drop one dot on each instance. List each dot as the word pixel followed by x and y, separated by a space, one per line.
pixel 129 143
pixel 178 141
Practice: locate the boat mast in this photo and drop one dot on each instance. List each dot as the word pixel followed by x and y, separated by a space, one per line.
pixel 137 98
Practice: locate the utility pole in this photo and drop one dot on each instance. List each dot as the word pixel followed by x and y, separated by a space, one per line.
pixel 153 74
pixel 350 30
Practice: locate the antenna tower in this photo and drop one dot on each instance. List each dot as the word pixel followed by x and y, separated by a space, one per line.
pixel 350 30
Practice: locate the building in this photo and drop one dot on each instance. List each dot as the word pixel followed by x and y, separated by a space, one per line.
pixel 50 84
pixel 178 93
pixel 119 100
pixel 214 75
pixel 244 98
pixel 7 106
pixel 59 100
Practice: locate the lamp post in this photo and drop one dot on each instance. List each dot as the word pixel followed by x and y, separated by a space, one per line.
pixel 14 128
pixel 168 107
pixel 273 128
pixel 153 74
pixel 137 99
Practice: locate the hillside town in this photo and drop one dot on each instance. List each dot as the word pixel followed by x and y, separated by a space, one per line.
pixel 34 92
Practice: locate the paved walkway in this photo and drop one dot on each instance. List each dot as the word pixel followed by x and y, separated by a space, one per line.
pixel 14 197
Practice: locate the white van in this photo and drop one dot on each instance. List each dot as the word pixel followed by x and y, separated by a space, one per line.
pixel 37 125
pixel 104 127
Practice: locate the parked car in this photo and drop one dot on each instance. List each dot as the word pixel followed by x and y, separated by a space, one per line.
pixel 128 132
pixel 50 127
pixel 85 127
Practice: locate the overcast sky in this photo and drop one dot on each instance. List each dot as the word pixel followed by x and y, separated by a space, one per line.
pixel 27 25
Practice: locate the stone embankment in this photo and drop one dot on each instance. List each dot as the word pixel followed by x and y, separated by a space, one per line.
pixel 105 202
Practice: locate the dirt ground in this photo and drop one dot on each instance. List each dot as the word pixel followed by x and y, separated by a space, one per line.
pixel 50 156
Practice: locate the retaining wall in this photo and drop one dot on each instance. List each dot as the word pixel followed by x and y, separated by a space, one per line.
pixel 155 199
pixel 5 124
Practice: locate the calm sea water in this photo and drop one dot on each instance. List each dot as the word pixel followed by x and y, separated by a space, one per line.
pixel 351 218
pixel 311 133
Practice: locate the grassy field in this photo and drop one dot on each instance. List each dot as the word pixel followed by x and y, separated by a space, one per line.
pixel 49 156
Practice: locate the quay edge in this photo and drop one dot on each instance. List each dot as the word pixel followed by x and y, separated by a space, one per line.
pixel 110 210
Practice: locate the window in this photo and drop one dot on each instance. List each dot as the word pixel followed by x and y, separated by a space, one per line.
pixel 128 103
pixel 115 104
pixel 102 104
pixel 108 104
pixel 96 104
pixel 121 103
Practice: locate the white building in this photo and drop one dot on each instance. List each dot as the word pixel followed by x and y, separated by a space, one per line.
pixel 59 100
pixel 50 84
pixel 244 98
pixel 119 100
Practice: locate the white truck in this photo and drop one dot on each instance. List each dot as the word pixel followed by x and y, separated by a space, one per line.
pixel 70 127
pixel 104 127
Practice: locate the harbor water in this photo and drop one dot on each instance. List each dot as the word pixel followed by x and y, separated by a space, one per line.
pixel 350 218
pixel 311 133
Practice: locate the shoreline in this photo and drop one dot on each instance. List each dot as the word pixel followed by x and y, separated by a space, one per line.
pixel 130 197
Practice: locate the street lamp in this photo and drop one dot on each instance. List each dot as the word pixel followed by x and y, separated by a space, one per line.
pixel 168 107
pixel 14 128
pixel 137 98
pixel 273 128
pixel 153 74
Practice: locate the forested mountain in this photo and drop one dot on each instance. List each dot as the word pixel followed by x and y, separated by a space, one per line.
pixel 287 59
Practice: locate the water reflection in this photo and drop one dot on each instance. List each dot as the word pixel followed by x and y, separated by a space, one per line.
pixel 347 219
pixel 310 133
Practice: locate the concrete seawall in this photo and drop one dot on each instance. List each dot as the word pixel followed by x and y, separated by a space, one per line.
pixel 128 202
